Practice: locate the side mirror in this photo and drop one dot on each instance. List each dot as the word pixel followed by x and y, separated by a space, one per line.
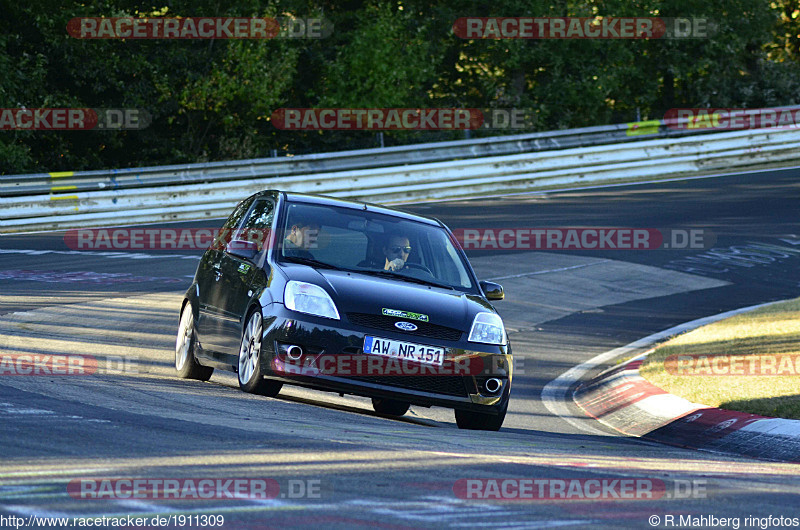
pixel 242 249
pixel 493 291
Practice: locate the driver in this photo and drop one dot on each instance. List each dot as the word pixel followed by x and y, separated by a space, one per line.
pixel 396 250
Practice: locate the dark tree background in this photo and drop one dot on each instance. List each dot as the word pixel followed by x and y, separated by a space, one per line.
pixel 211 99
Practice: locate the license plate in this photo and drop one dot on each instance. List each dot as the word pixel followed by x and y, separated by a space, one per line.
pixel 404 350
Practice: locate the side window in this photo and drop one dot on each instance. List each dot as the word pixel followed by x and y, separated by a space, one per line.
pixel 223 236
pixel 258 224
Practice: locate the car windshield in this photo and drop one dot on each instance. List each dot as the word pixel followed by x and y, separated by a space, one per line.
pixel 373 243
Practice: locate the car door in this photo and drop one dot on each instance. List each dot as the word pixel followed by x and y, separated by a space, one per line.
pixel 210 322
pixel 239 274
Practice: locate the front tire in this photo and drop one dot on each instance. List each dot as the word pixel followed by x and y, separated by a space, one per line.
pixel 251 379
pixel 390 406
pixel 185 362
pixel 480 421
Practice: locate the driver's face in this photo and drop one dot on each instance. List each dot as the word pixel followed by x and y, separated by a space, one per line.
pixel 398 247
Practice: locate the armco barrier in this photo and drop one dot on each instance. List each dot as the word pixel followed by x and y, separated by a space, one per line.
pixel 183 199
pixel 44 183
pixel 145 177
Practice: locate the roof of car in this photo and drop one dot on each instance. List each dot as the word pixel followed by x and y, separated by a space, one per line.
pixel 355 205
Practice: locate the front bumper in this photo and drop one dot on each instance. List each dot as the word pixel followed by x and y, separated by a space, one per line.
pixel 460 383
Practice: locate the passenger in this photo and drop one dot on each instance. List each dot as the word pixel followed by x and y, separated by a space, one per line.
pixel 302 236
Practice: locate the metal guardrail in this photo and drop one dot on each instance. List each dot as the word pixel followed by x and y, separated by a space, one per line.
pixel 142 177
pixel 458 169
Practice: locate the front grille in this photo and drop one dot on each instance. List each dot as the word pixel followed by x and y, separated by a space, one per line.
pixel 442 384
pixel 386 323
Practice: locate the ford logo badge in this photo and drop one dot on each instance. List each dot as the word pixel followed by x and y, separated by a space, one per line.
pixel 405 326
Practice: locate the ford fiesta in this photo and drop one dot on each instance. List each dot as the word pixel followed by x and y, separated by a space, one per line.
pixel 348 297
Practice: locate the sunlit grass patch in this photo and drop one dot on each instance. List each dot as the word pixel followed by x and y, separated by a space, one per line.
pixel 723 364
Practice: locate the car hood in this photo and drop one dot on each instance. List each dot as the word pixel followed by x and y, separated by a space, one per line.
pixel 361 293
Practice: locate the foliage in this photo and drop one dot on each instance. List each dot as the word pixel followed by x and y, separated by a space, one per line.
pixel 212 99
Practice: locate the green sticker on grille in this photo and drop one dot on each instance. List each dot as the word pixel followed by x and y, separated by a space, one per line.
pixel 405 314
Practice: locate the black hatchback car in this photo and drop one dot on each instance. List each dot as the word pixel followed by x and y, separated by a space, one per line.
pixel 348 297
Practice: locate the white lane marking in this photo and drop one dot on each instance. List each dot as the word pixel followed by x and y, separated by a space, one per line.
pixel 47 472
pixel 33 496
pixel 9 408
pixel 19 489
pixel 30 511
pixel 554 394
pixel 28 411
pixel 481 512
pixel 548 271
pixel 12 408
pixel 140 505
pixel 176 510
pixel 109 255
pixel 439 513
pixel 439 510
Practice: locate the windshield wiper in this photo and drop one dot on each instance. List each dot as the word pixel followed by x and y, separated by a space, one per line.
pixel 412 279
pixel 312 262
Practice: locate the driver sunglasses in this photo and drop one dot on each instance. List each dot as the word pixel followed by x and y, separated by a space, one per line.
pixel 396 250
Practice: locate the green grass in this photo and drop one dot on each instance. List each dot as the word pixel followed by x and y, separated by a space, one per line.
pixel 757 336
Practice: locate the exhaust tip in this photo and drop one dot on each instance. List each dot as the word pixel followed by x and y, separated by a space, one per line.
pixel 294 352
pixel 493 385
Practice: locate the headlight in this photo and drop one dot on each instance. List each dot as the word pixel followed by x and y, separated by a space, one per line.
pixel 488 328
pixel 309 298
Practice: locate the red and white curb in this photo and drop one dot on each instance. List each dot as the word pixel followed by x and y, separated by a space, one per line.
pixel 626 402
pixel 623 400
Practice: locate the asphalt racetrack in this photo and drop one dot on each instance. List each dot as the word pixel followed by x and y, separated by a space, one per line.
pixel 331 462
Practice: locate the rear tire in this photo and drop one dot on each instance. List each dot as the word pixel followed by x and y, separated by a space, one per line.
pixel 480 421
pixel 185 362
pixel 251 379
pixel 390 406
